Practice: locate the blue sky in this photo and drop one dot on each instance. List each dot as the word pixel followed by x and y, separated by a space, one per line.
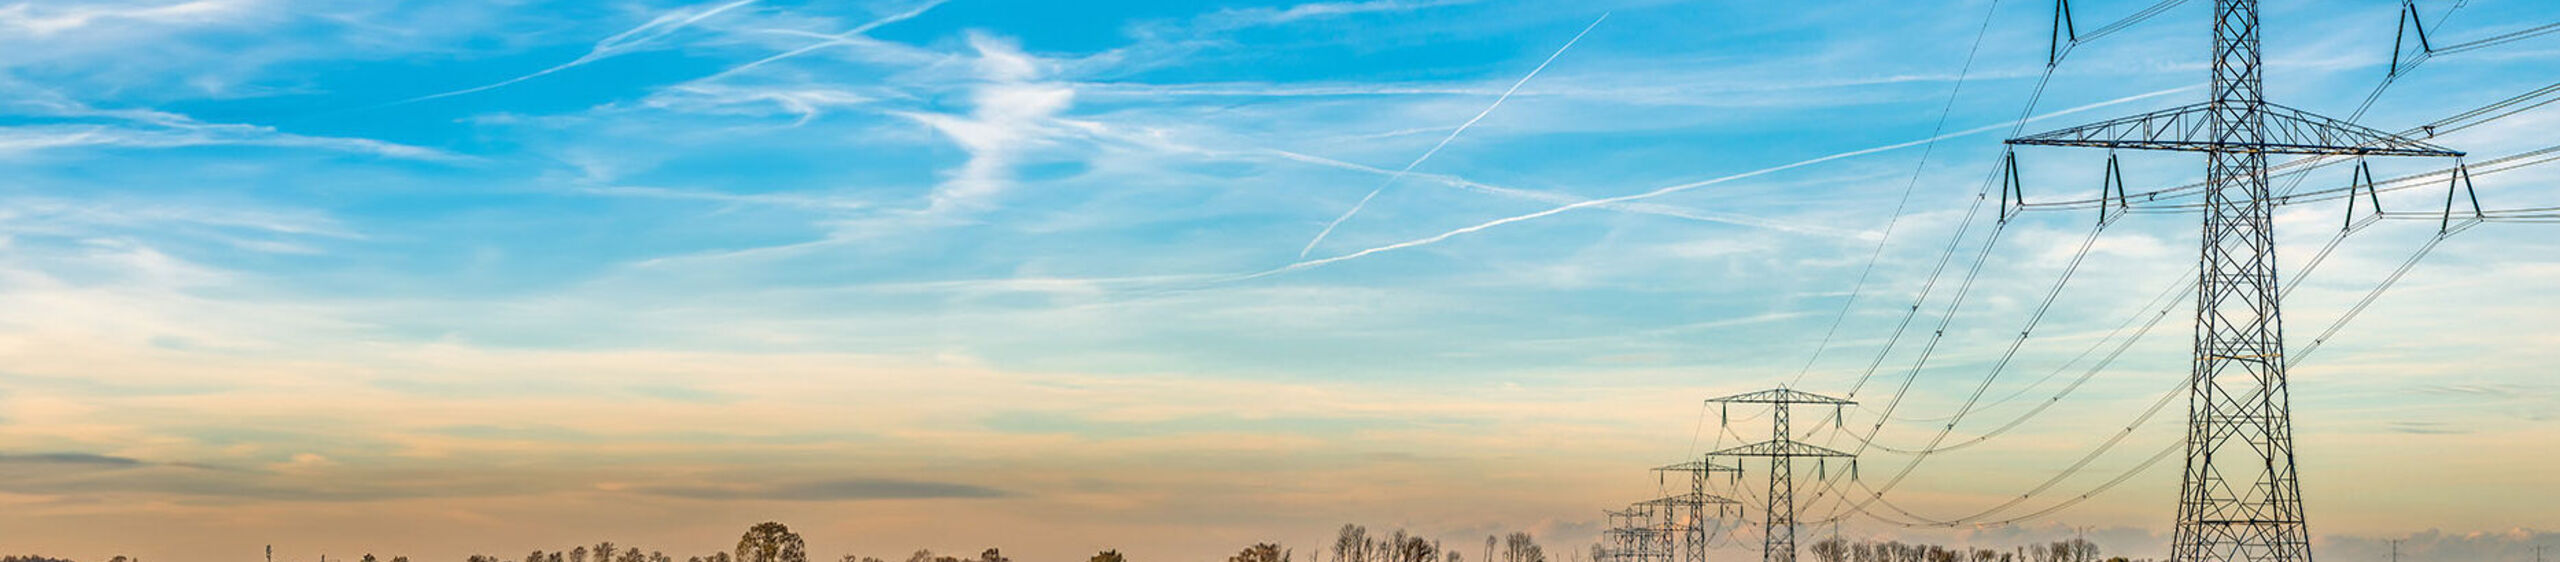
pixel 502 261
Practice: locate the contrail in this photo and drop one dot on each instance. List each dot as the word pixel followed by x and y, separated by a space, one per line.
pixel 845 38
pixel 1444 141
pixel 618 44
pixel 1562 199
pixel 1667 190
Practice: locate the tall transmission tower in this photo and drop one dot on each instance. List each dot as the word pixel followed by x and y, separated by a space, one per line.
pixel 1778 540
pixel 1692 527
pixel 2239 500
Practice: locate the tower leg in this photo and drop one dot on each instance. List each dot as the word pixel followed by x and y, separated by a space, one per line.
pixel 2240 500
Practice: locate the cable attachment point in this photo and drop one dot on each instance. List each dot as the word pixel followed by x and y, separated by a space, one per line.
pixel 2111 191
pixel 2013 196
pixel 2460 181
pixel 2065 35
pixel 2361 182
pixel 2409 21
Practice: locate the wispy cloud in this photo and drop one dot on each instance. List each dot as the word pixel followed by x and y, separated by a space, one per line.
pixel 825 490
pixel 1014 103
pixel 797 200
pixel 61 123
pixel 52 19
pixel 1237 18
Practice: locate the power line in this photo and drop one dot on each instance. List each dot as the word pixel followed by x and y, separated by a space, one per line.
pixel 1891 220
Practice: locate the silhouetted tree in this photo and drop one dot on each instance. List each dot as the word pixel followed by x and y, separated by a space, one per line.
pixel 771 542
pixel 1415 549
pixel 1830 550
pixel 1262 552
pixel 991 555
pixel 1519 547
pixel 1109 556
pixel 921 555
pixel 632 555
pixel 578 554
pixel 535 556
pixel 1351 544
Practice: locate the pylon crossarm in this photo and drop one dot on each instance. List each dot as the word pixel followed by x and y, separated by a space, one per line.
pixel 1780 396
pixel 1780 448
pixel 1688 499
pixel 2189 129
pixel 1698 466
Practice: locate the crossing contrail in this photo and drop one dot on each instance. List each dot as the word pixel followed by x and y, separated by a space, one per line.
pixel 825 41
pixel 618 44
pixel 1667 190
pixel 1444 141
pixel 1552 198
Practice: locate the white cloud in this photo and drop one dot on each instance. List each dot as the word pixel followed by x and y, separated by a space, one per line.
pixel 1014 108
pixel 46 20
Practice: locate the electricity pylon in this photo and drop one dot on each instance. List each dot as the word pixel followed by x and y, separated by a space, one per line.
pixel 1692 528
pixel 1778 542
pixel 2239 500
pixel 1643 532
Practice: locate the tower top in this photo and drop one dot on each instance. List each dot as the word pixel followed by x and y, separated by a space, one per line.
pixel 1780 395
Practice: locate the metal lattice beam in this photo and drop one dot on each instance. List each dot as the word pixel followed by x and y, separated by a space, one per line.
pixel 2191 129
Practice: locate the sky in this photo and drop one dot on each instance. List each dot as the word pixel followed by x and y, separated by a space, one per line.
pixel 448 278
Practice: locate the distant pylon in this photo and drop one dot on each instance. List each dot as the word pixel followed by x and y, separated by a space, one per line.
pixel 2240 499
pixel 1692 527
pixel 1778 522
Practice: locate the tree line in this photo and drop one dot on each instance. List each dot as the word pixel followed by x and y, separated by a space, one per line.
pixel 773 542
pixel 1837 550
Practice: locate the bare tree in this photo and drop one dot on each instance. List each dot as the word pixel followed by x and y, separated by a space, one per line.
pixel 1259 552
pixel 1351 544
pixel 1830 550
pixel 1520 547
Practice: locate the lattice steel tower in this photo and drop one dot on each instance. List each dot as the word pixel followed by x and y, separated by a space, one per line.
pixel 1692 526
pixel 2240 500
pixel 1778 542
